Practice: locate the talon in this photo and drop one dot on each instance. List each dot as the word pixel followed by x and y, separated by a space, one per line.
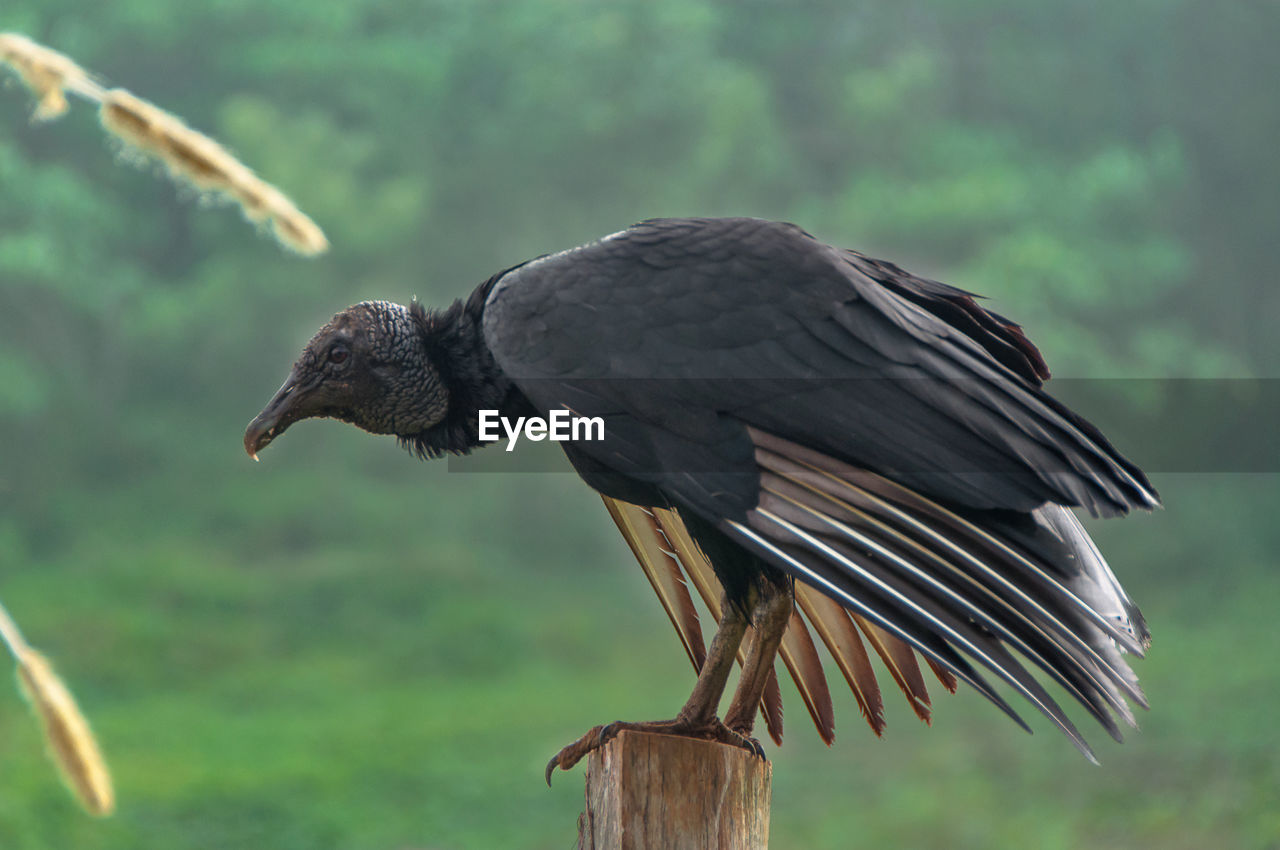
pixel 551 767
pixel 745 740
pixel 572 754
pixel 601 735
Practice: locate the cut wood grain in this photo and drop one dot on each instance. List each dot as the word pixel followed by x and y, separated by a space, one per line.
pixel 646 790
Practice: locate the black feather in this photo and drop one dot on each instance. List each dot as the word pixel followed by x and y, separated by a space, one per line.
pixel 818 415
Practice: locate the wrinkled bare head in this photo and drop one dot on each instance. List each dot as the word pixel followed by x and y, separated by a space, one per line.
pixel 368 366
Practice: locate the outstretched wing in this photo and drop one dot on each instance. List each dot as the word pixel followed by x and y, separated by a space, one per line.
pixel 879 437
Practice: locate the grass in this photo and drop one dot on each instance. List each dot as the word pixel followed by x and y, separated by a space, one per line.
pixel 377 692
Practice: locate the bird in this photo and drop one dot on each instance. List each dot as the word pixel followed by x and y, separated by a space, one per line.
pixel 811 437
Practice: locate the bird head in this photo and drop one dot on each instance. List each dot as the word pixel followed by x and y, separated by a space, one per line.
pixel 368 366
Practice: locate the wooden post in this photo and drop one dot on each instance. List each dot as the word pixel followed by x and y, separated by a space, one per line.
pixel 646 790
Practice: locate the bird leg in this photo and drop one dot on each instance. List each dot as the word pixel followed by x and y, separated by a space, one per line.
pixel 698 717
pixel 770 617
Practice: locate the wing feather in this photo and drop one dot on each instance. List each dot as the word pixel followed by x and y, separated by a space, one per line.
pixel 945 676
pixel 801 658
pixel 640 529
pixel 797 651
pixel 900 661
pixel 838 633
pixel 864 574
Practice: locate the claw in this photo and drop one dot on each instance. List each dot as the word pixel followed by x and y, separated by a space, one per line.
pixel 746 741
pixel 572 754
pixel 601 735
pixel 551 767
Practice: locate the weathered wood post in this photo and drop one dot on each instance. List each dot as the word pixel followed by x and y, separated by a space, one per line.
pixel 661 791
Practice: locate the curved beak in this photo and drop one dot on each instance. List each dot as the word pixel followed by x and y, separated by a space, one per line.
pixel 283 410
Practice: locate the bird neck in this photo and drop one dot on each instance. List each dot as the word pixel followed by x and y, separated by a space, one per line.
pixel 454 343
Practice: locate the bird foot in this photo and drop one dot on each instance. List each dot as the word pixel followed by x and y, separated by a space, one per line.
pixel 601 735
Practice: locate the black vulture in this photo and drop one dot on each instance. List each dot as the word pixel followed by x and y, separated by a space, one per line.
pixel 803 429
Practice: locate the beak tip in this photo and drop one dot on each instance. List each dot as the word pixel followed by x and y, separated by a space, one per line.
pixel 279 413
pixel 255 440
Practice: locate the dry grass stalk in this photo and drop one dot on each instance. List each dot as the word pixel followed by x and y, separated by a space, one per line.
pixel 46 72
pixel 66 731
pixel 186 154
pixel 193 156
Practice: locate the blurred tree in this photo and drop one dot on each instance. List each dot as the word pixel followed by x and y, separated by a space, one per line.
pixel 1104 171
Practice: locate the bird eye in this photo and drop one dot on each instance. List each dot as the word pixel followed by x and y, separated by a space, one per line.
pixel 338 353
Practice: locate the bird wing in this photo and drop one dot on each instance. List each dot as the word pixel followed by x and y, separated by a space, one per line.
pixel 953 590
pixel 880 438
pixel 675 323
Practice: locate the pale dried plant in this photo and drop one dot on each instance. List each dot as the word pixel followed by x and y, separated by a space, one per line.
pixel 187 155
pixel 66 731
pixel 198 159
pixel 48 73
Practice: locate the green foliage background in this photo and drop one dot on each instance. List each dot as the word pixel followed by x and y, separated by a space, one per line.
pixel 344 648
